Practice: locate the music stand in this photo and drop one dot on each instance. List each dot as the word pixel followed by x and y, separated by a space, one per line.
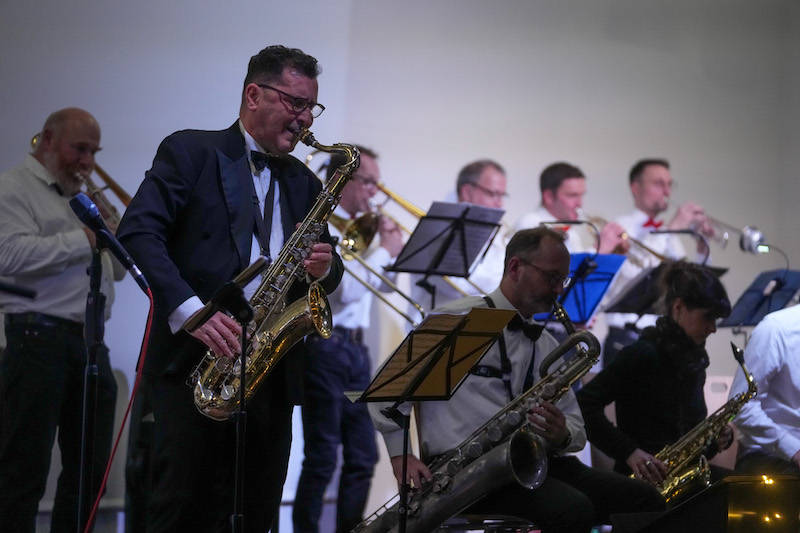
pixel 770 291
pixel 643 292
pixel 430 364
pixel 448 241
pixel 591 275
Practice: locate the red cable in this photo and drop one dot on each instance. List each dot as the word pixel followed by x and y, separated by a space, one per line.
pixel 142 356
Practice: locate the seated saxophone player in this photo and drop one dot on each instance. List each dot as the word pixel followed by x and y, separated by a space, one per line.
pixel 483 183
pixel 213 202
pixel 769 425
pixel 573 496
pixel 562 188
pixel 342 363
pixel 657 382
pixel 44 247
pixel 650 182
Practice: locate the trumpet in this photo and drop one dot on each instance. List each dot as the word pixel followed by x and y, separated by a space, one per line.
pixel 357 235
pixel 95 192
pixel 750 238
pixel 600 222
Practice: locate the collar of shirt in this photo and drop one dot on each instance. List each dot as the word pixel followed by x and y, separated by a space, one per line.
pixel 39 170
pixel 252 146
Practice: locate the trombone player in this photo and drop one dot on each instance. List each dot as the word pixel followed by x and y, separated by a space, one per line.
pixel 342 362
pixel 44 246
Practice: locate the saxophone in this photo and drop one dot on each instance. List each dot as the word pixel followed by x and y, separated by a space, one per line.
pixel 276 327
pixel 687 467
pixel 501 451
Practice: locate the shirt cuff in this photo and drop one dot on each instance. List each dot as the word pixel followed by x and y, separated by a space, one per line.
pixel 182 313
pixel 394 442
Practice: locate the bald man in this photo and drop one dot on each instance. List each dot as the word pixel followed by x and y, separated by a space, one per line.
pixel 43 246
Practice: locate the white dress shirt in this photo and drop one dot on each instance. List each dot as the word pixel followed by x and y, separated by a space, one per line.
pixel 770 423
pixel 576 241
pixel 446 424
pixel 43 247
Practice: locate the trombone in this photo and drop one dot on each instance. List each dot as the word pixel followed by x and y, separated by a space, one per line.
pixel 96 193
pixel 356 237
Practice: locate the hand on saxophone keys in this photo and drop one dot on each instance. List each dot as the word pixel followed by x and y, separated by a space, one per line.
pixel 645 466
pixel 549 422
pixel 416 471
pixel 220 333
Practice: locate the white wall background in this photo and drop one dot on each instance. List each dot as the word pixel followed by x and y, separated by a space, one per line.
pixel 712 85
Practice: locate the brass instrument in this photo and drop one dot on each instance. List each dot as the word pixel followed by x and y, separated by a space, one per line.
pixel 96 193
pixel 356 237
pixel 502 450
pixel 750 238
pixel 600 222
pixel 687 468
pixel 276 326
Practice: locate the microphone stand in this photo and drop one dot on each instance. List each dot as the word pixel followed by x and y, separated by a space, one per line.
pixel 94 330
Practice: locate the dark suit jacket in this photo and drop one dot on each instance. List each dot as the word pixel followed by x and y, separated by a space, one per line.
pixel 189 228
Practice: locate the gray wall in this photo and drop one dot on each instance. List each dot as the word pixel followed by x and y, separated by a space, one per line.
pixel 712 85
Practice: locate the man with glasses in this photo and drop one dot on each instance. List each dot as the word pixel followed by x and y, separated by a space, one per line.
pixel 342 363
pixel 573 497
pixel 482 183
pixel 212 202
pixel 563 187
pixel 651 185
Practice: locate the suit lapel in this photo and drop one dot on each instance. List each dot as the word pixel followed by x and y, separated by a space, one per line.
pixel 237 189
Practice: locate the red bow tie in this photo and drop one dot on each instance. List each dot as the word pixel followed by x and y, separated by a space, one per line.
pixel 652 223
pixel 562 229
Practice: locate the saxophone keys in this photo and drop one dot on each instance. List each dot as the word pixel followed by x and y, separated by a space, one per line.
pixel 227 392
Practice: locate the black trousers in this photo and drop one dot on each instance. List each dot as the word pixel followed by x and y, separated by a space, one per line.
pixel 41 390
pixel 573 498
pixel 194 459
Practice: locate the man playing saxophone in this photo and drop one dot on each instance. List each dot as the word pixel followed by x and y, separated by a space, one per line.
pixel 342 363
pixel 212 202
pixel 573 497
pixel 43 246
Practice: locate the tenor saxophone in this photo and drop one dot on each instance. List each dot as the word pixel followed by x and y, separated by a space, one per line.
pixel 687 467
pixel 276 326
pixel 502 451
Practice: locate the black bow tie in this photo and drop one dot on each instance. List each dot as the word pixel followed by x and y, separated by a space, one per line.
pixel 532 331
pixel 260 160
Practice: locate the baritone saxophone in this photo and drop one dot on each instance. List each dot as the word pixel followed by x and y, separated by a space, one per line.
pixel 503 450
pixel 277 326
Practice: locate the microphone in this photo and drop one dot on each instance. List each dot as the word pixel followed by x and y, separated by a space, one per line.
pixel 697 236
pixel 89 214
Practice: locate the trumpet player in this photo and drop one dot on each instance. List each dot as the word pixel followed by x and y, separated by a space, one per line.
pixel 650 182
pixel 342 363
pixel 212 202
pixel 573 497
pixel 43 246
pixel 562 188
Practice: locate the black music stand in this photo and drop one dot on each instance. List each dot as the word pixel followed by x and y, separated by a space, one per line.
pixel 770 291
pixel 448 242
pixel 591 275
pixel 430 364
pixel 643 292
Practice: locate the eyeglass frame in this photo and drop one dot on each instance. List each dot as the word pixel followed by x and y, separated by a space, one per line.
pixel 551 276
pixel 489 192
pixel 292 100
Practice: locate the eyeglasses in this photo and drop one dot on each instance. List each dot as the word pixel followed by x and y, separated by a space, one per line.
pixel 495 195
pixel 554 278
pixel 297 104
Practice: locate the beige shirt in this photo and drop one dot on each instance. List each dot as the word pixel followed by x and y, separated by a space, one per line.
pixel 44 248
